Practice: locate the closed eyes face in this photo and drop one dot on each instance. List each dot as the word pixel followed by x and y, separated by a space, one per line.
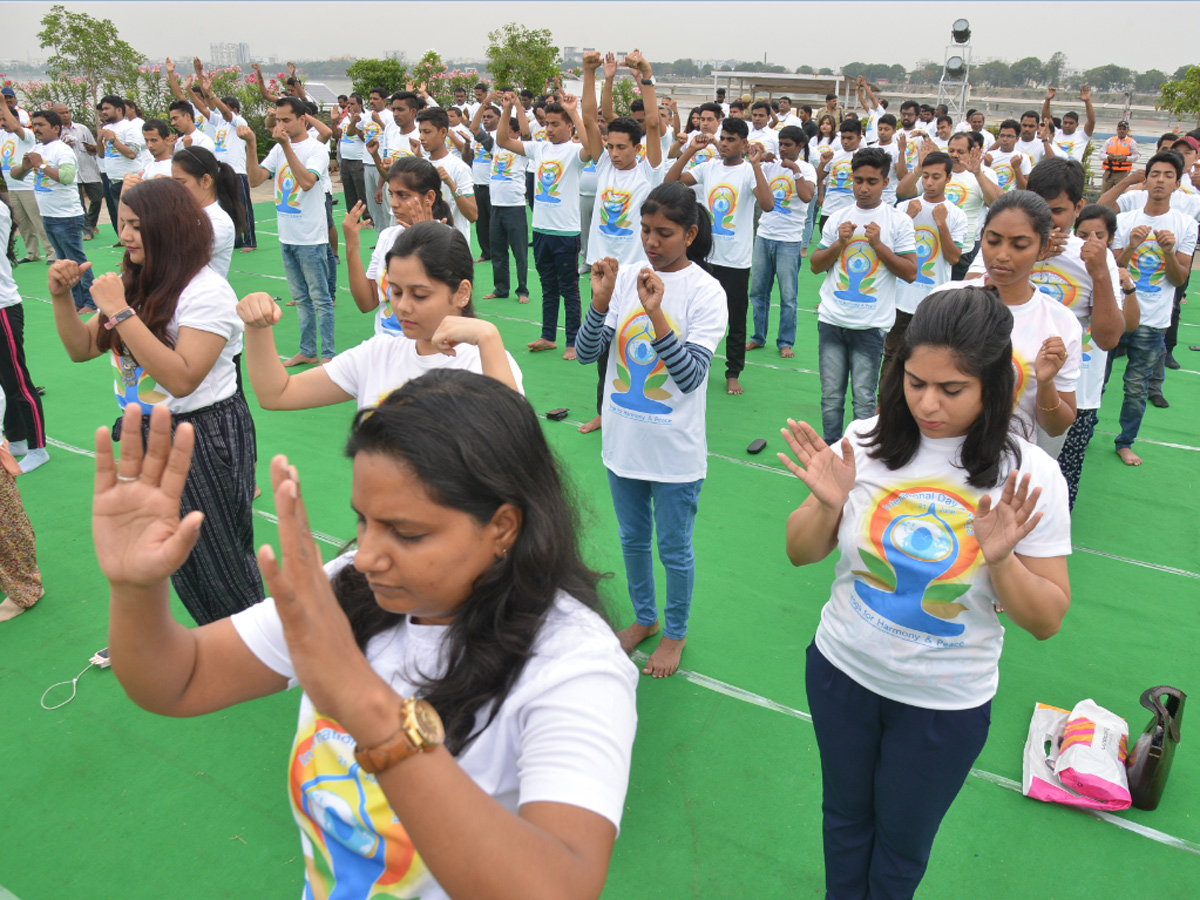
pixel 944 400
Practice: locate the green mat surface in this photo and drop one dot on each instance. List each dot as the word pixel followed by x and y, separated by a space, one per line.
pixel 724 800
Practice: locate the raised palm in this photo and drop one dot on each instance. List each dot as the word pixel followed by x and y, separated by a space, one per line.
pixel 139 537
pixel 1000 527
pixel 827 475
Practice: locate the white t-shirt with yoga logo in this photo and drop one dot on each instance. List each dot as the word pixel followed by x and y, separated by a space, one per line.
pixel 911 614
pixel 786 221
pixel 616 226
pixel 728 194
pixel 1147 267
pixel 932 267
pixel 860 291
pixel 556 169
pixel 300 213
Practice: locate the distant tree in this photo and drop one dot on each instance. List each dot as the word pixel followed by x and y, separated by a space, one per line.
pixel 1180 73
pixel 1026 71
pixel 924 75
pixel 824 70
pixel 806 70
pixel 1053 69
pixel 87 48
pixel 684 68
pixel 522 56
pixel 1109 78
pixel 367 74
pixel 1150 82
pixel 1181 95
pixel 995 73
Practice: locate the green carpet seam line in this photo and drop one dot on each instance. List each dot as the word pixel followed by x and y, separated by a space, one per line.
pixel 745 696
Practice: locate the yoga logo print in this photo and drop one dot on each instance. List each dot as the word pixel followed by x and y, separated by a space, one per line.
pixel 549 175
pixel 640 373
pixel 857 268
pixel 1057 283
pixel 928 245
pixel 722 204
pixel 287 192
pixel 614 209
pixel 784 188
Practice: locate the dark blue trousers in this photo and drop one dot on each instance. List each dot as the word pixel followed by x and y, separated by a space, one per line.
pixel 890 772
pixel 557 260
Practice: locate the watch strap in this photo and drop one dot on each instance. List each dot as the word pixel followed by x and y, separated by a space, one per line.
pixel 127 313
pixel 395 749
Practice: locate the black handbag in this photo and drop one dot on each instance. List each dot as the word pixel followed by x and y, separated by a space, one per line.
pixel 1150 759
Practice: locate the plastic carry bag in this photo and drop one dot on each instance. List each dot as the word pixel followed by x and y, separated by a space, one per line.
pixel 1077 758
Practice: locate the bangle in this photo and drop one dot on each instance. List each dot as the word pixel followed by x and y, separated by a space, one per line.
pixel 1051 408
pixel 120 316
pixel 1132 290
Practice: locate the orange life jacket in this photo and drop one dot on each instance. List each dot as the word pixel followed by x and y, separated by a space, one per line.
pixel 1119 151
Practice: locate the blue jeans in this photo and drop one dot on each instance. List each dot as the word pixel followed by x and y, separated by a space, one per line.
pixel 66 237
pixel 1142 348
pixel 889 772
pixel 331 257
pixel 557 259
pixel 774 259
pixel 307 270
pixel 809 221
pixel 646 507
pixel 853 354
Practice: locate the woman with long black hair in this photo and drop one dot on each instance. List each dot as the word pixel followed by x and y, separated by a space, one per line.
pixel 214 185
pixel 170 323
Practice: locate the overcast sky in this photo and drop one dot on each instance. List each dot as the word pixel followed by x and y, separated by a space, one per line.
pixel 1090 33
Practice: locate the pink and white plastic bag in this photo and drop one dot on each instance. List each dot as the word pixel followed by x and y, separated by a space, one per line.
pixel 1077 758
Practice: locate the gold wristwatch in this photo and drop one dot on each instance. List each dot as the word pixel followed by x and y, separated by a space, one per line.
pixel 420 731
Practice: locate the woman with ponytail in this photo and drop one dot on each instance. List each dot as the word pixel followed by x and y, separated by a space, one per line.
pixel 660 324
pixel 215 187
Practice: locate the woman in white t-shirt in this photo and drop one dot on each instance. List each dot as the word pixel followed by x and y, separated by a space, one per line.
pixel 659 328
pixel 938 513
pixel 826 137
pixel 171 326
pixel 215 187
pixel 466 589
pixel 429 273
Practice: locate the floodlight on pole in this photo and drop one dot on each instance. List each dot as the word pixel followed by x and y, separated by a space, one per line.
pixel 954 87
pixel 960 31
pixel 956 68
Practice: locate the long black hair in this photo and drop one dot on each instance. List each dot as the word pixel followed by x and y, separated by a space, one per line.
pixel 976 327
pixel 475 445
pixel 419 175
pixel 198 162
pixel 678 203
pixel 443 252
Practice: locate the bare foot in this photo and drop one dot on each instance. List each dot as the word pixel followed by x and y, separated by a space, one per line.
pixel 570 354
pixel 665 659
pixel 494 296
pixel 249 249
pixel 1129 457
pixel 290 303
pixel 522 298
pixel 786 352
pixel 750 345
pixel 633 635
pixel 733 387
pixel 9 610
pixel 299 360
pixel 803 252
pixel 589 427
pixel 541 344
pixel 257 492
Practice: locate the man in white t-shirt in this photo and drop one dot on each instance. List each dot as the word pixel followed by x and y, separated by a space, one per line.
pixel 711 117
pixel 557 162
pixel 509 222
pixel 940 234
pixel 160 144
pixel 400 138
pixel 484 122
pixel 834 168
pixel 1010 166
pixel 17 140
pixel 83 143
pixel 223 123
pixel 730 187
pixel 57 196
pixel 458 187
pixel 1029 144
pixel 865 251
pixel 787 116
pixel 297 163
pixel 972 187
pixel 1070 140
pixel 122 144
pixel 375 120
pixel 872 106
pixel 1156 244
pixel 777 241
pixel 761 132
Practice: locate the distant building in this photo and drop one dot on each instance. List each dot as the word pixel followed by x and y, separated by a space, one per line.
pixel 229 54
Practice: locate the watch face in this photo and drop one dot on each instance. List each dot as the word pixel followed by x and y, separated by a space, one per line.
pixel 428 722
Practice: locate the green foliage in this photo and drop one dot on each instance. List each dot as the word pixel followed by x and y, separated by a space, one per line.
pixel 624 93
pixel 875 72
pixel 523 57
pixel 824 70
pixel 1150 82
pixel 1052 71
pixel 368 74
pixel 1181 95
pixel 1109 78
pixel 89 49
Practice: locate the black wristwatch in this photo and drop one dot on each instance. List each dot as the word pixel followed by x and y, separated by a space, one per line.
pixel 648 81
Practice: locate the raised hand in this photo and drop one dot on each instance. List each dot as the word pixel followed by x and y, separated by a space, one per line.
pixel 197 65
pixel 1000 527
pixel 914 208
pixel 108 293
pixel 940 213
pixel 171 66
pixel 650 290
pixel 246 133
pixel 1166 240
pixel 829 477
pixel 1085 93
pixel 846 232
pixel 756 153
pixel 1094 254
pixel 610 66
pixel 1057 244
pixel 871 232
pixel 1050 92
pixel 455 330
pixel 352 221
pixel 570 103
pixel 1138 234
pixel 592 60
pixel 1051 357
pixel 140 540
pixel 65 274
pixel 604 279
pixel 259 310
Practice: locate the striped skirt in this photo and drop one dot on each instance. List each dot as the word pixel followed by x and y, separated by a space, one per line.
pixel 221 575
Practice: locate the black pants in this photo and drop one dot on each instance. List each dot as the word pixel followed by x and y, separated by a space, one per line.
pixel 529 188
pixel 221 575
pixel 247 238
pixel 354 185
pixel 112 196
pixel 483 224
pixel 510 231
pixel 23 418
pixel 557 259
pixel 959 270
pixel 737 299
pixel 94 192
